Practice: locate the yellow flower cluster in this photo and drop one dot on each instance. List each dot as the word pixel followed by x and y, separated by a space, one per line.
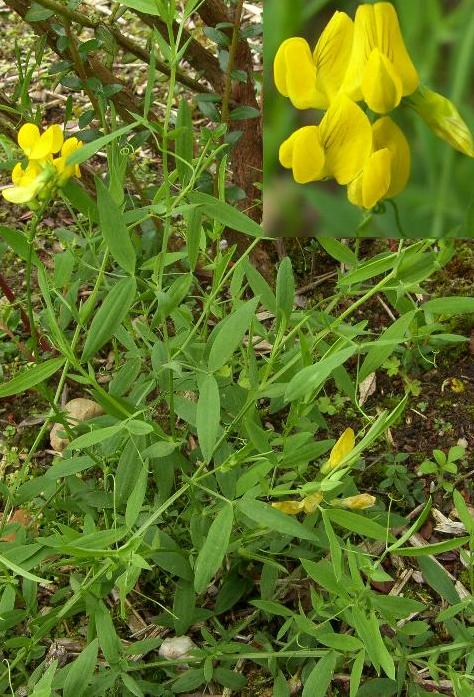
pixel 364 60
pixel 340 451
pixel 43 172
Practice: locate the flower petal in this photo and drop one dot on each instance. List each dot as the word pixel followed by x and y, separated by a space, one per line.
pixel 49 142
pixel 28 135
pixel 21 194
pixel 346 136
pixel 388 135
pixel 295 74
pixel 302 152
pixel 390 42
pixel 381 84
pixel 311 502
pixel 376 178
pixel 288 507
pixel 364 42
pixel 17 173
pixel 332 53
pixel 343 447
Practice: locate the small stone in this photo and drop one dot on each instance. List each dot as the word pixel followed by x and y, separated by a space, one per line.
pixel 176 647
pixel 77 410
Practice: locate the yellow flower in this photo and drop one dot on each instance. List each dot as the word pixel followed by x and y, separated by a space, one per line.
pixel 27 183
pixel 356 503
pixel 38 146
pixel 387 170
pixel 338 147
pixel 313 80
pixel 440 114
pixel 380 70
pixel 341 449
pixel 309 504
pixel 64 170
pixel 43 172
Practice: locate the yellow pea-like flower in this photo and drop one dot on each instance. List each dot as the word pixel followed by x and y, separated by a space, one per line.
pixel 359 502
pixel 44 172
pixel 288 507
pixel 312 80
pixel 339 147
pixel 27 183
pixel 440 114
pixel 309 504
pixel 386 171
pixel 38 146
pixel 340 450
pixel 380 70
pixel 64 170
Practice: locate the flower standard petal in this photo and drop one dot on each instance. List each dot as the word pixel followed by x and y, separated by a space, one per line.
pixel 48 143
pixel 303 153
pixel 346 136
pixel 381 85
pixel 391 43
pixel 388 135
pixel 364 42
pixel 340 450
pixel 332 53
pixel 295 74
pixel 28 135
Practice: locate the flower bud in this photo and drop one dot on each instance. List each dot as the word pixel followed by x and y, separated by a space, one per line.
pixel 357 503
pixel 440 114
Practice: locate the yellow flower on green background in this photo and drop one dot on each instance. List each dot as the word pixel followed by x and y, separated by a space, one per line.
pixel 64 170
pixel 309 504
pixel 39 146
pixel 380 70
pixel 312 80
pixel 359 502
pixel 338 147
pixel 386 171
pixel 43 172
pixel 344 445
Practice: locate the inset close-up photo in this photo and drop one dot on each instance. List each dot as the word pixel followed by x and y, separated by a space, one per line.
pixel 368 119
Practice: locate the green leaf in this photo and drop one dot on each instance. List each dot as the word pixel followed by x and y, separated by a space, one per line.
pixel 190 680
pixel 340 642
pixel 214 548
pixel 382 348
pixel 109 317
pixel 229 334
pixel 334 546
pixel 437 548
pixel 338 251
pixel 454 305
pixel 225 214
pixel 184 142
pixel 44 685
pixel 89 149
pixel 114 229
pixel 242 113
pixel 37 13
pixel 263 514
pixel 136 498
pixel 80 200
pixel 208 415
pixel 18 242
pixel 465 516
pixel 313 376
pixel 363 526
pixel 98 435
pixel 436 577
pixel 285 289
pixel 193 235
pixel 31 377
pixel 81 671
pixel 319 679
pixel 260 287
pixel 21 572
pixel 149 7
pixel 107 636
